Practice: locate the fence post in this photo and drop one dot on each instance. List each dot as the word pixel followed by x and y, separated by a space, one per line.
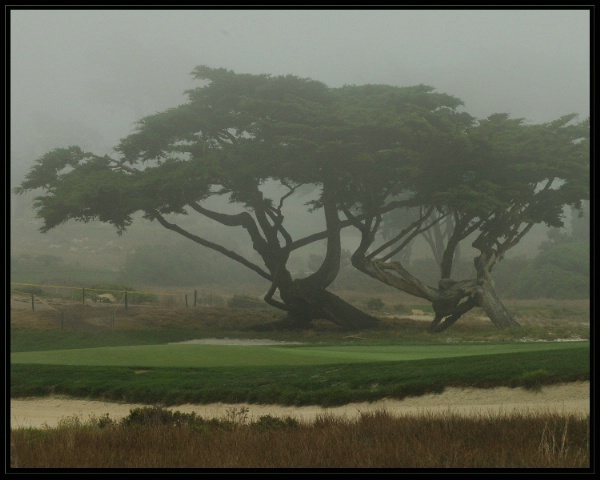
pixel 186 304
pixel 62 320
pixel 195 297
pixel 125 300
pixel 83 296
pixel 32 303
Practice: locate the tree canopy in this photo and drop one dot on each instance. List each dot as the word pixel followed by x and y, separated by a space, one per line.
pixel 367 149
pixel 509 176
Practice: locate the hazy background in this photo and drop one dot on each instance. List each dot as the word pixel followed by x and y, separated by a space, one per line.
pixel 83 77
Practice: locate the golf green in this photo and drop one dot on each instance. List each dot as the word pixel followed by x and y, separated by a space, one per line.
pixel 201 355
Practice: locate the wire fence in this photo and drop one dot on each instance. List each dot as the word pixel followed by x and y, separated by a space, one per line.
pixel 71 307
pixel 74 306
pixel 42 296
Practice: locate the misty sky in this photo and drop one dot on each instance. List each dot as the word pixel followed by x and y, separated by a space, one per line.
pixel 83 77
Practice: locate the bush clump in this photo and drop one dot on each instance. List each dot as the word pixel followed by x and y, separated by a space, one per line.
pixel 375 304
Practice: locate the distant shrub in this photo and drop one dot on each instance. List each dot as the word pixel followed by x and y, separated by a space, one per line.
pixel 561 272
pixel 375 304
pixel 506 272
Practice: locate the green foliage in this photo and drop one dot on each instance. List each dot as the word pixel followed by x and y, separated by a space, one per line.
pixel 328 385
pixel 533 380
pixel 197 382
pixel 560 272
pixel 580 229
pixel 572 257
pixel 360 147
pixel 157 416
pixel 268 422
pixel 507 272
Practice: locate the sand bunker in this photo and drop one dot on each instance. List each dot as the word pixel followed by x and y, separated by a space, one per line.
pixel 570 398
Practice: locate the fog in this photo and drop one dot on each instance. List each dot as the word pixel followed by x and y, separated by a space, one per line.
pixel 83 77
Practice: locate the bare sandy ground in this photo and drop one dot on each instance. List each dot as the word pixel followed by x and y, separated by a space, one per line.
pixel 570 398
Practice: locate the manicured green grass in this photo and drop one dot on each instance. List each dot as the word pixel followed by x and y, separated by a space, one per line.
pixel 200 355
pixel 324 384
pixel 30 341
pixel 131 359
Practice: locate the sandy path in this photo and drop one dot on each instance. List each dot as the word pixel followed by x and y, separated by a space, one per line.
pixel 571 398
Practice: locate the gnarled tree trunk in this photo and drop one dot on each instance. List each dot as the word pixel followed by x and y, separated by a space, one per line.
pixel 306 302
pixel 450 301
pixel 307 299
pixel 488 300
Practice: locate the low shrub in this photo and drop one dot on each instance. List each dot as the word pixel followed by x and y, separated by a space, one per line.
pixel 375 304
pixel 156 416
pixel 534 380
pixel 268 422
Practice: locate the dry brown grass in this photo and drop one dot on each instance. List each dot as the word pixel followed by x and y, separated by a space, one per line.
pixel 136 317
pixel 375 440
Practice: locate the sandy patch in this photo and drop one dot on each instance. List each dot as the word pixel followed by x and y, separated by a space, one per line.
pixel 569 398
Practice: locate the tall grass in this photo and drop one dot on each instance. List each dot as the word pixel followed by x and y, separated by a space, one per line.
pixel 160 439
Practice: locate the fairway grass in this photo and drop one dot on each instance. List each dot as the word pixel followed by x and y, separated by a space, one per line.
pixel 191 355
